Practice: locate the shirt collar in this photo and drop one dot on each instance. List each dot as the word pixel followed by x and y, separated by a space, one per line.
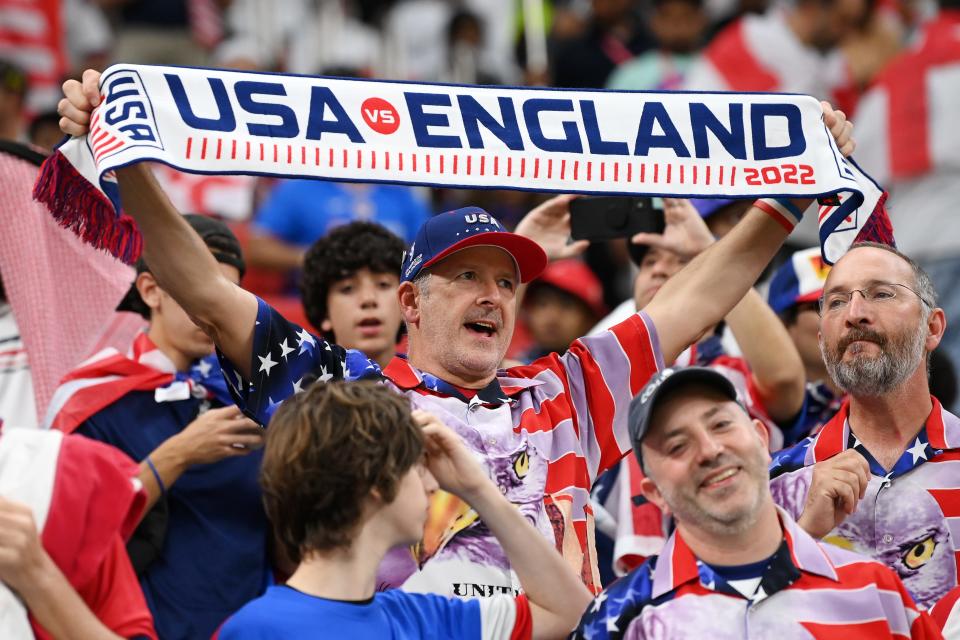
pixel 677 565
pixel 501 389
pixel 144 351
pixel 942 428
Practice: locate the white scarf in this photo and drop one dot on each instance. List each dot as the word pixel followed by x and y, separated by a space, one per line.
pixel 598 142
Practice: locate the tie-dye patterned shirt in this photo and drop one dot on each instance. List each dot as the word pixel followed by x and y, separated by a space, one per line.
pixel 808 590
pixel 909 518
pixel 544 431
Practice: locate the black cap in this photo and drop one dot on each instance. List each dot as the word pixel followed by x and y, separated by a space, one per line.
pixel 218 237
pixel 665 382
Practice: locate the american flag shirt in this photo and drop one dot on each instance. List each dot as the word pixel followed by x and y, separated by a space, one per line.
pixel 807 590
pixel 544 431
pixel 909 518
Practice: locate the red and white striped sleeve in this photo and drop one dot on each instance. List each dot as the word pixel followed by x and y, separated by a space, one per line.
pixel 946 613
pixel 602 373
pixel 505 616
pixel 589 389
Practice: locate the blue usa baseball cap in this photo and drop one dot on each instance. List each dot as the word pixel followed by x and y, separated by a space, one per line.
pixel 446 233
pixel 799 279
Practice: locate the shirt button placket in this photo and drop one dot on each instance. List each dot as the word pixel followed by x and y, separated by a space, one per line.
pixel 880 503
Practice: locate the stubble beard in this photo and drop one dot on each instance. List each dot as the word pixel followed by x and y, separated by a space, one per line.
pixel 695 511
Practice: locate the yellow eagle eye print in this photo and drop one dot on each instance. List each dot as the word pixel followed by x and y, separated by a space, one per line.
pixel 521 464
pixel 920 553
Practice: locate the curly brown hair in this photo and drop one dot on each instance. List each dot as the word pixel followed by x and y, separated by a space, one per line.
pixel 326 450
pixel 340 254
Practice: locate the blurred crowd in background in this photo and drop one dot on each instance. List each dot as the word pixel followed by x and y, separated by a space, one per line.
pixel 308 249
pixel 855 53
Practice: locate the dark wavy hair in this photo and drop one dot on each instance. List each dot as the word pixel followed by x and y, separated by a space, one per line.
pixel 339 255
pixel 326 450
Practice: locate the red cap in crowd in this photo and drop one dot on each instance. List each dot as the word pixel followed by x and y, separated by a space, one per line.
pixel 576 278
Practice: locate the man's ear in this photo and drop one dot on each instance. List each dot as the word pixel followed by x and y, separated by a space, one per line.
pixel 764 436
pixel 149 290
pixel 936 325
pixel 652 493
pixel 408 295
pixel 326 326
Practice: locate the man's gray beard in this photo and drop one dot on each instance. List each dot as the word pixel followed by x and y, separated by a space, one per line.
pixel 873 377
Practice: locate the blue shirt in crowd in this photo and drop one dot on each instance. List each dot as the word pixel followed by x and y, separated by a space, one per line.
pixel 284 613
pixel 301 211
pixel 214 554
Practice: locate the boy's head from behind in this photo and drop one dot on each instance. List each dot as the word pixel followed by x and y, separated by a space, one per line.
pixel 350 280
pixel 338 456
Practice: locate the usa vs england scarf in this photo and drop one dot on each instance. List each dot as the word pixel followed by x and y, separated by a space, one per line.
pixel 556 140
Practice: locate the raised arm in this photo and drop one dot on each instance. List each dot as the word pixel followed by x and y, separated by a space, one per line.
pixel 556 594
pixel 177 256
pixel 777 369
pixel 708 288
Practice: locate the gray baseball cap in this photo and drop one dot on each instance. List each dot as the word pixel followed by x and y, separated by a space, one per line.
pixel 664 383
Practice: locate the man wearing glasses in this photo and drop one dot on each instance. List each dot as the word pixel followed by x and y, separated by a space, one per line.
pixel 883 476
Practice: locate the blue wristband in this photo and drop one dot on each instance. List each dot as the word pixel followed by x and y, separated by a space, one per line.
pixel 156 476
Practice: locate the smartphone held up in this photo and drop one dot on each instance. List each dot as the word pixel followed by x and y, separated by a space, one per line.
pixel 608 217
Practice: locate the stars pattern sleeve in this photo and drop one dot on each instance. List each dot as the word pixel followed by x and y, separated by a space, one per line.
pixel 611 612
pixel 286 358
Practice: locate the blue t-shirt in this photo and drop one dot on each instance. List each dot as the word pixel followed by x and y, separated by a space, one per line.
pixel 283 613
pixel 214 555
pixel 301 211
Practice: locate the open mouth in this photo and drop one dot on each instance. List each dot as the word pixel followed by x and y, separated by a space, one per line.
pixel 369 326
pixel 485 328
pixel 720 478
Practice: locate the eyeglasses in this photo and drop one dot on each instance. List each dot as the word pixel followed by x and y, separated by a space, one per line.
pixel 879 293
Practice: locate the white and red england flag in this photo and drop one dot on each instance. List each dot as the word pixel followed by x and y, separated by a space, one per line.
pixel 761 53
pixel 106 377
pixel 638 527
pixel 82 494
pixel 908 137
